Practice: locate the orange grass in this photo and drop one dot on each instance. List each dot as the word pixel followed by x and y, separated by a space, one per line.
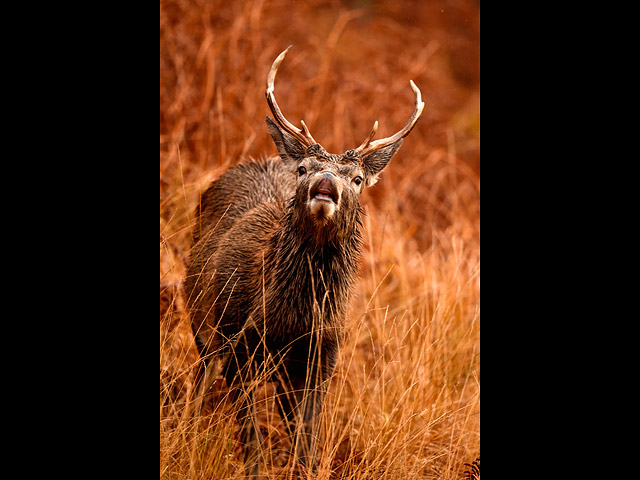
pixel 405 398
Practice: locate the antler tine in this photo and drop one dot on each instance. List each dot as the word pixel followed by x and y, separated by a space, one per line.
pixel 366 143
pixel 303 136
pixel 368 147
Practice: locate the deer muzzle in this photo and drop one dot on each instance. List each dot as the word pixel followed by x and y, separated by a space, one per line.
pixel 325 189
pixel 324 195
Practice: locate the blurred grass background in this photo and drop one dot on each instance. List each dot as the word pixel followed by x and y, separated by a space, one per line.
pixel 404 402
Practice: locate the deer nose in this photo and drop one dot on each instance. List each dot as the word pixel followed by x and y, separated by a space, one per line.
pixel 326 188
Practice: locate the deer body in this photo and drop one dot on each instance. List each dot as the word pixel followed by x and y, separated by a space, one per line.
pixel 275 253
pixel 262 265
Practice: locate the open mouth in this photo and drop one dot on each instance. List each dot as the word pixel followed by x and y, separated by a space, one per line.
pixel 327 197
pixel 325 191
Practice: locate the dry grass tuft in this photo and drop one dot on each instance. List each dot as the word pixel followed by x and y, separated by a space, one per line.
pixel 405 398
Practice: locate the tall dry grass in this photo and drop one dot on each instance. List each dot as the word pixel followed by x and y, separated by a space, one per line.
pixel 404 402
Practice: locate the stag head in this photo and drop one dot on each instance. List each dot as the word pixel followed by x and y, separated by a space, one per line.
pixel 329 185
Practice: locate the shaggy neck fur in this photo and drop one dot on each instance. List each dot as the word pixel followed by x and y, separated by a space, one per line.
pixel 312 271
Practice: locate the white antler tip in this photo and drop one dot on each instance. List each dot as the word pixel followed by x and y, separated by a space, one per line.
pixel 417 92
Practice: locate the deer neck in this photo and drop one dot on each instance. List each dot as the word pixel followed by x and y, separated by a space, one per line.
pixel 312 277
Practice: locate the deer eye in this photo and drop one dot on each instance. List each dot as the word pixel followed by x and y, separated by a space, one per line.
pixel 302 170
pixel 357 180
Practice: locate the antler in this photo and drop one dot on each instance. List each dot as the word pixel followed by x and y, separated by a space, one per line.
pixel 368 147
pixel 303 136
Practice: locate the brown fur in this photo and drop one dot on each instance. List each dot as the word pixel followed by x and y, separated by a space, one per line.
pixel 271 271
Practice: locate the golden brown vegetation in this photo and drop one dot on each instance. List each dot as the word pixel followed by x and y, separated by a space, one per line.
pixel 404 402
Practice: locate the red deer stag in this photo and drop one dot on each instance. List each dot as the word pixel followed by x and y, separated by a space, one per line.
pixel 275 254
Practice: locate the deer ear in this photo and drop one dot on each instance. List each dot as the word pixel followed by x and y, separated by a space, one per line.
pixel 291 150
pixel 375 163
